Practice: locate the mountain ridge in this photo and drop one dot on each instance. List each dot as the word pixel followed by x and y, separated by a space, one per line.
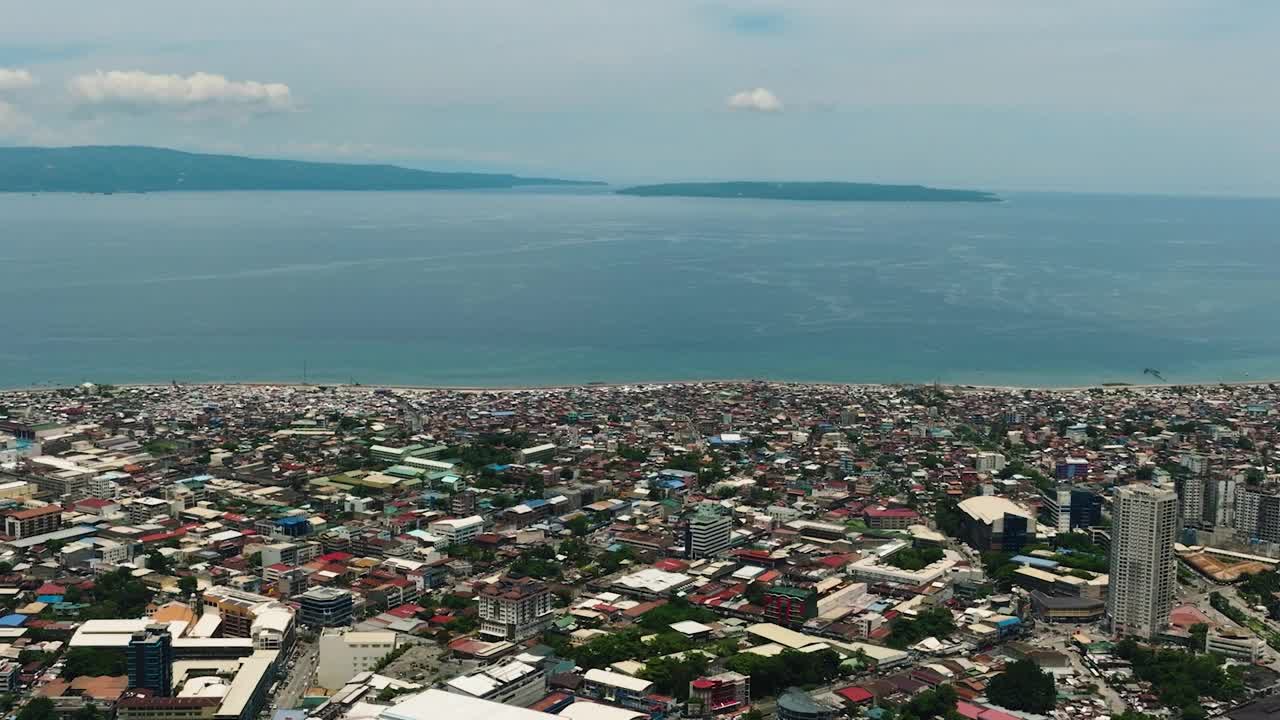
pixel 141 168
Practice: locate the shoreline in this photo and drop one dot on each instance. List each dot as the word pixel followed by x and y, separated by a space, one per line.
pixel 475 389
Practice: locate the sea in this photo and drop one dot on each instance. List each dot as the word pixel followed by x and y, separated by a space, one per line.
pixel 547 287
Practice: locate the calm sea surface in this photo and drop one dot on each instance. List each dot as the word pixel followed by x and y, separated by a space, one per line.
pixel 510 288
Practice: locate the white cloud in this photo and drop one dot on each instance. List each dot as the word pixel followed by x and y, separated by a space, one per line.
pixel 13 122
pixel 16 79
pixel 758 100
pixel 137 90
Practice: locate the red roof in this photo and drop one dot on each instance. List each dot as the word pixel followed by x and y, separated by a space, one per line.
pixel 94 503
pixel 882 512
pixel 855 694
pixel 51 589
pixel 407 610
pixel 335 557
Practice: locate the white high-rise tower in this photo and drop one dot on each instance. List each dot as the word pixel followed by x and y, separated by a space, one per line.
pixel 1144 571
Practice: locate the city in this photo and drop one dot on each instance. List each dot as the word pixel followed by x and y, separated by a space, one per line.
pixel 743 549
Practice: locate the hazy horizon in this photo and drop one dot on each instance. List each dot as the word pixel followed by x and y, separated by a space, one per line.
pixel 1139 97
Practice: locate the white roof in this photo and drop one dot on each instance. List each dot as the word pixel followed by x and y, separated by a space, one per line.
pixel 584 710
pixel 654 580
pixel 990 508
pixel 690 627
pixel 626 682
pixel 435 704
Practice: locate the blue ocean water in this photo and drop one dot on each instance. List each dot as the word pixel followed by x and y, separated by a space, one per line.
pixel 521 287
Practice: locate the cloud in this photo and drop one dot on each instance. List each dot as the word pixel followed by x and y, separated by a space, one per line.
pixel 137 90
pixel 16 79
pixel 758 100
pixel 13 122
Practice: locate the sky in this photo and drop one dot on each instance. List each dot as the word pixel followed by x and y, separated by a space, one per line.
pixel 1154 96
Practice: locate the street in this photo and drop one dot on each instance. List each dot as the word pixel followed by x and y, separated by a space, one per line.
pixel 298 680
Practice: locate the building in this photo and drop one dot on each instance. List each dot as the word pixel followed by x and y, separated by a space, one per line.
pixel 625 691
pixel 457 531
pixel 1234 644
pixel 535 453
pixel 510 683
pixel 708 531
pixel 1143 567
pixel 727 692
pixel 150 660
pixel 344 653
pixel 1065 508
pixel 1191 499
pixel 796 704
pixel 790 606
pixel 988 462
pixel 1063 608
pixel 138 707
pixel 514 609
pixel 990 522
pixel 1257 513
pixel 883 518
pixel 26 523
pixel 268 622
pixel 325 607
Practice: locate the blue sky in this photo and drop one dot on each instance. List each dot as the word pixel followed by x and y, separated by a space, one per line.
pixel 1171 96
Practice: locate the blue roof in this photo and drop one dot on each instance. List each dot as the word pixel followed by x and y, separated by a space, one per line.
pixel 671 484
pixel 12 620
pixel 502 413
pixel 535 503
pixel 496 467
pixel 51 599
pixel 291 520
pixel 1034 561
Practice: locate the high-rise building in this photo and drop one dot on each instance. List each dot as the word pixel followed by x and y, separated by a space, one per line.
pixel 708 531
pixel 150 660
pixel 1143 571
pixel 1190 489
pixel 325 607
pixel 1220 505
pixel 1257 513
pixel 514 609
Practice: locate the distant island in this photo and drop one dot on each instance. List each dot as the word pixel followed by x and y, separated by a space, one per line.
pixel 822 191
pixel 131 169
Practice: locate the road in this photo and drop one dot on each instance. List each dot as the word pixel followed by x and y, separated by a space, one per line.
pixel 298 680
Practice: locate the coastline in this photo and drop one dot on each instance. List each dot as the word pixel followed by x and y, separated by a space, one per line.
pixel 476 389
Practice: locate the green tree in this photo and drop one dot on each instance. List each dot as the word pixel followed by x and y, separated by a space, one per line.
pixel 672 676
pixel 1199 633
pixel 188 585
pixel 1024 686
pixel 40 708
pixel 93 662
pixel 579 525
pixel 159 563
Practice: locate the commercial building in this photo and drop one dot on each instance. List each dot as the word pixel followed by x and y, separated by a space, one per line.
pixel 343 654
pixel 1143 567
pixel 1065 508
pixel 708 531
pixel 790 606
pixel 325 607
pixel 457 531
pixel 1234 644
pixel 150 660
pixel 622 690
pixel 514 609
pixel 510 683
pixel 796 704
pixel 727 692
pixel 27 523
pixel 991 522
pixel 269 623
pixel 883 518
pixel 535 453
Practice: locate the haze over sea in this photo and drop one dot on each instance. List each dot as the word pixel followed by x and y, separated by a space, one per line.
pixel 516 288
